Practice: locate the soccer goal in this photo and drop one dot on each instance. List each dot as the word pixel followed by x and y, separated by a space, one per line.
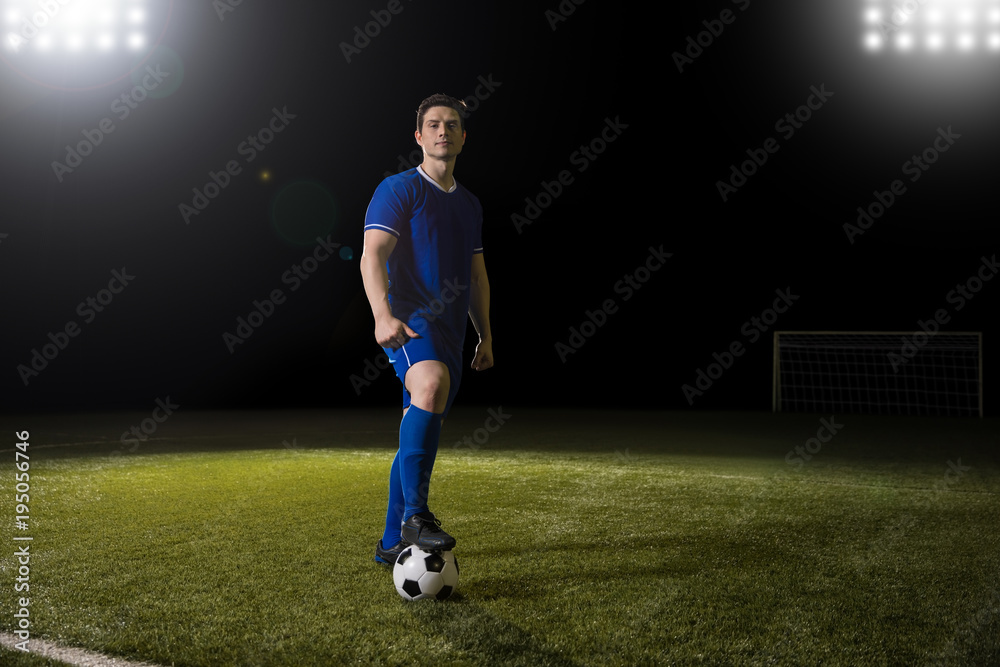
pixel 878 372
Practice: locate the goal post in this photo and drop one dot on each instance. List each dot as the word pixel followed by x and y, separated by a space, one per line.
pixel 878 372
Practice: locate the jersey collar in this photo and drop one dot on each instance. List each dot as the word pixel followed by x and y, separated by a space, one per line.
pixel 435 183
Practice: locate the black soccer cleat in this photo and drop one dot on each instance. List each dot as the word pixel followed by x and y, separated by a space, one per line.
pixel 389 556
pixel 424 531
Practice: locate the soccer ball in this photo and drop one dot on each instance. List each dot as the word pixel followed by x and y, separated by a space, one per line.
pixel 420 574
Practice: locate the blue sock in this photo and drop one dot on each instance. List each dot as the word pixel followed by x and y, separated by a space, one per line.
pixel 419 433
pixel 410 475
pixel 393 515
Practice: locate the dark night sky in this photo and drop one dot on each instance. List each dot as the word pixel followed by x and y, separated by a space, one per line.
pixel 544 94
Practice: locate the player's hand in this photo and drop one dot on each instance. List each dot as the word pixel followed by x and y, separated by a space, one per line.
pixel 484 355
pixel 393 333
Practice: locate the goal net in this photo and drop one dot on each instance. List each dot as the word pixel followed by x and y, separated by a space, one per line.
pixel 887 372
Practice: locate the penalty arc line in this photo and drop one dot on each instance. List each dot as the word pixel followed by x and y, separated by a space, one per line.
pixel 72 656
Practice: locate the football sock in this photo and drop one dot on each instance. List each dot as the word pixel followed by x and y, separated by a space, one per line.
pixel 394 515
pixel 419 433
pixel 410 474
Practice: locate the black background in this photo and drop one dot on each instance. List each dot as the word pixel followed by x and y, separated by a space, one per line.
pixel 556 84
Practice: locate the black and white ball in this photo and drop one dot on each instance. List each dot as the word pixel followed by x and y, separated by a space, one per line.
pixel 422 574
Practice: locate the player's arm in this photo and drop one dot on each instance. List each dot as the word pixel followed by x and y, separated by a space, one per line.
pixel 389 331
pixel 479 312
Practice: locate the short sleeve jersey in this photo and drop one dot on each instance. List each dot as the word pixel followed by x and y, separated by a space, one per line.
pixel 430 268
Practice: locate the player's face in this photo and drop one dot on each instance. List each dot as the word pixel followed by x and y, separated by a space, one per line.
pixel 441 135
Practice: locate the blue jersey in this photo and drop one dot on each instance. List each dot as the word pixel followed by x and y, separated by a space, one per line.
pixel 430 268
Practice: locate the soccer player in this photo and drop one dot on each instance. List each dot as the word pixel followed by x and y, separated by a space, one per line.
pixel 423 272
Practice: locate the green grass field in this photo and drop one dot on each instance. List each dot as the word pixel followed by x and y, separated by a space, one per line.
pixel 585 538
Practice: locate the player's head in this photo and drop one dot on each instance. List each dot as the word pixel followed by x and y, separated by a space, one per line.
pixel 441 100
pixel 440 127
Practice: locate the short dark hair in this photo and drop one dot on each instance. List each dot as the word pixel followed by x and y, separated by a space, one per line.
pixel 441 100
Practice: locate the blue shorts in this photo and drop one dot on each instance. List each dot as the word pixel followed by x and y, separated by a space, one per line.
pixel 423 349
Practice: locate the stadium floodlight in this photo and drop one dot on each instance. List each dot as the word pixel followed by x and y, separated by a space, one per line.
pixel 77 43
pixel 76 26
pixel 925 372
pixel 931 26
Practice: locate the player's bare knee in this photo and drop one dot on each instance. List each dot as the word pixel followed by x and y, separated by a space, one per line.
pixel 429 384
pixel 435 394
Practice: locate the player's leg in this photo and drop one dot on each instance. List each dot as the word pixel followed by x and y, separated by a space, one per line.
pixel 429 385
pixel 388 548
pixel 429 393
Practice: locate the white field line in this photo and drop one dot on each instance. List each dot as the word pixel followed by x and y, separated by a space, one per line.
pixel 71 656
